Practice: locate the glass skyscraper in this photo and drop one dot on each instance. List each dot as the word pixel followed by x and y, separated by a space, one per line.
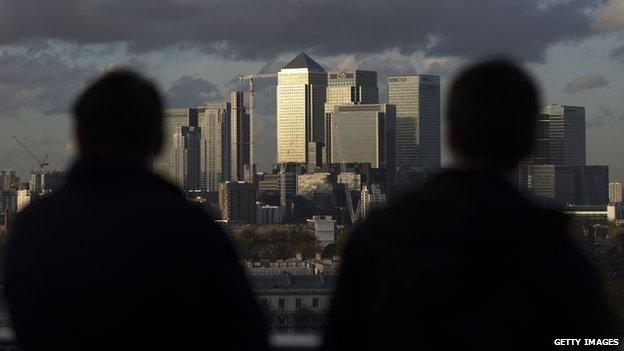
pixel 214 120
pixel 347 87
pixel 301 90
pixel 173 120
pixel 417 101
pixel 567 134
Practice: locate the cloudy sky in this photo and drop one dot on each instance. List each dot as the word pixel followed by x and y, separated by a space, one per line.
pixel 194 50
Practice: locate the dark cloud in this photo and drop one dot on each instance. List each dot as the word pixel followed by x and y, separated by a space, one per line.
pixel 590 81
pixel 252 29
pixel 606 118
pixel 617 54
pixel 191 92
pixel 41 82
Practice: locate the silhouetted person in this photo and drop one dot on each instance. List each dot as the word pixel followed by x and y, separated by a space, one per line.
pixel 466 262
pixel 119 259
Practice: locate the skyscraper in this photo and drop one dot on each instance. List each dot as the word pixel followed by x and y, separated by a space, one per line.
pixel 172 121
pixel 346 87
pixel 615 192
pixel 364 134
pixel 215 124
pixel 567 134
pixel 239 137
pixel 237 202
pixel 301 91
pixel 593 185
pixel 185 158
pixel 417 101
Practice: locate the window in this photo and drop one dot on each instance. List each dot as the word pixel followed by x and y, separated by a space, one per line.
pixel 315 303
pixel 282 303
pixel 298 303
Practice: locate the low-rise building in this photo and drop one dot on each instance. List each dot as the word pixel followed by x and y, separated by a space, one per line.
pixel 323 228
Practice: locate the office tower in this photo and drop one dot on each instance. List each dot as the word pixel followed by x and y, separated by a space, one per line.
pixel 567 134
pixel 7 179
pixel 541 150
pixel 23 199
pixel 185 158
pixel 237 202
pixel 365 134
pixel 173 120
pixel 345 87
pixel 36 181
pixel 301 90
pixel 216 146
pixel 615 193
pixel 593 185
pixel 269 214
pixel 239 137
pixel 417 101
pixel 566 185
pixel 552 185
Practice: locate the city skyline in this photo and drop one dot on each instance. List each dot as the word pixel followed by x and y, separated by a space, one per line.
pixel 576 57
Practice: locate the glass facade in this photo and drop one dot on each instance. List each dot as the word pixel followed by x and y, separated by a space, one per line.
pixel 300 106
pixel 417 101
pixel 173 120
pixel 348 87
pixel 567 134
pixel 214 120
pixel 364 134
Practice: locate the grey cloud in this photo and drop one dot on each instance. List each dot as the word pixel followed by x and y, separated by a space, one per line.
pixel 606 118
pixel 43 82
pixel 590 81
pixel 610 16
pixel 191 92
pixel 251 29
pixel 617 54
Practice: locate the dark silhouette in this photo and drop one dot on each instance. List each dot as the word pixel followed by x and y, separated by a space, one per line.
pixel 118 259
pixel 466 262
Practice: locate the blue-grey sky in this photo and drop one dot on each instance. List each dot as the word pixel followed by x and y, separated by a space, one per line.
pixel 195 49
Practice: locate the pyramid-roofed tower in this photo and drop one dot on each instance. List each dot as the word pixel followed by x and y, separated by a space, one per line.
pixel 304 61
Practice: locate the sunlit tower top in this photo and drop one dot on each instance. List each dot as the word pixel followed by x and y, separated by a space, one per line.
pixel 301 93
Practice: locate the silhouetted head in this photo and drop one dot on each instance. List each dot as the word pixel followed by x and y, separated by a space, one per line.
pixel 492 114
pixel 120 115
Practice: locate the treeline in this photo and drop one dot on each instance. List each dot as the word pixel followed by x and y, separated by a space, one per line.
pixel 281 242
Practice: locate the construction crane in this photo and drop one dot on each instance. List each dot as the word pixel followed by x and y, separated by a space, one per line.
pixel 43 163
pixel 251 90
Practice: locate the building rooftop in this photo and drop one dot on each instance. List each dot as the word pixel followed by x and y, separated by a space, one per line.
pixel 304 61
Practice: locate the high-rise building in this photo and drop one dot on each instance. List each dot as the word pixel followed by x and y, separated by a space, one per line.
pixel 567 134
pixel 562 185
pixel 417 101
pixel 185 158
pixel 615 193
pixel 365 134
pixel 23 199
pixel 346 87
pixel 7 179
pixel 239 137
pixel 173 120
pixel 593 185
pixel 301 91
pixel 237 202
pixel 216 147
